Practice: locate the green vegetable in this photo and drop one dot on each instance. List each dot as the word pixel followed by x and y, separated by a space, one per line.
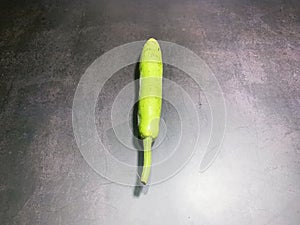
pixel 150 98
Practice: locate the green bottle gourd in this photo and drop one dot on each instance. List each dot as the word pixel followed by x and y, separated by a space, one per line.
pixel 150 100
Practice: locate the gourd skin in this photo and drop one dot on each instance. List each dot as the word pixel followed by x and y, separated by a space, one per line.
pixel 151 70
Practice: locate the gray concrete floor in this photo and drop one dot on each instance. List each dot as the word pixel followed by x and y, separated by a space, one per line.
pixel 251 46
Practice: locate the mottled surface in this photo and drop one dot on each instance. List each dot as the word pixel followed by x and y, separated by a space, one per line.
pixel 251 46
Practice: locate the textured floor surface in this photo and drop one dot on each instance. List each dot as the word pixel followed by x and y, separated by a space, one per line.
pixel 253 49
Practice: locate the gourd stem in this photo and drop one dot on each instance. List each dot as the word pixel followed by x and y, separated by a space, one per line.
pixel 147 142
